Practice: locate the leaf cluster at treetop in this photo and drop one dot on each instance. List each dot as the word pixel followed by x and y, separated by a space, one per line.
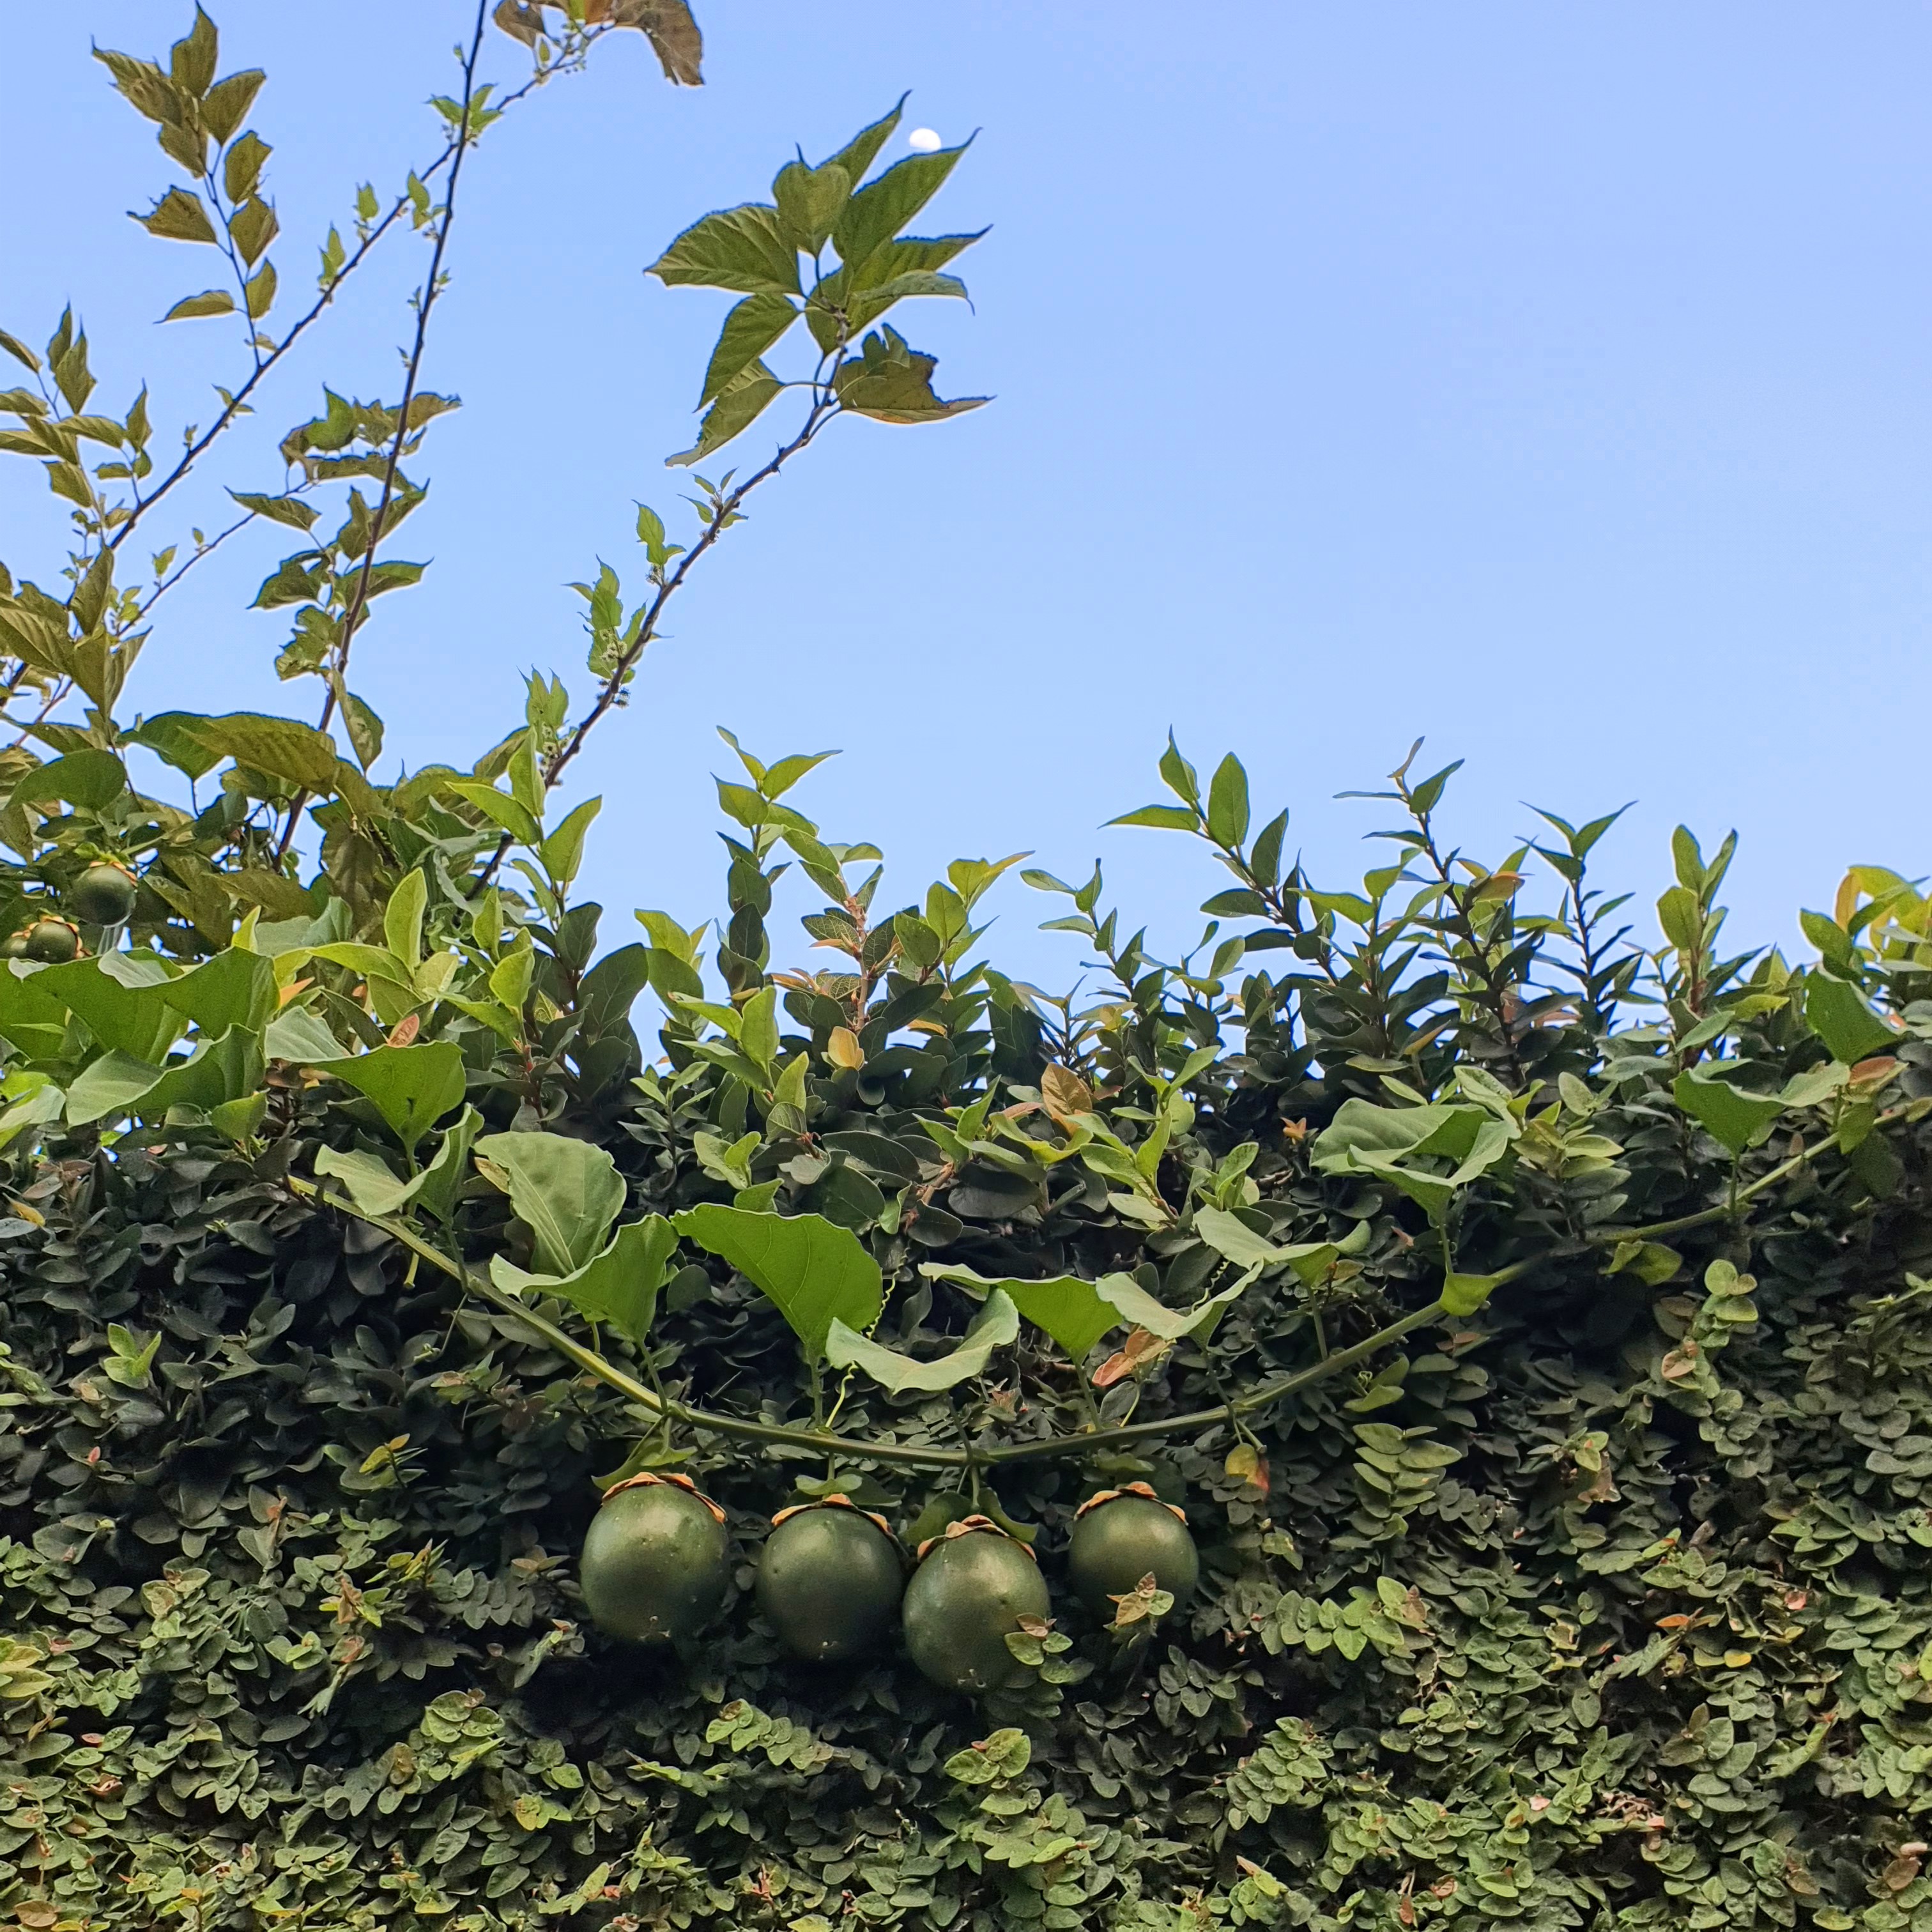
pixel 1418 1410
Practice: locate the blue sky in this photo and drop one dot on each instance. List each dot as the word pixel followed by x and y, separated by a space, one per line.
pixel 1549 381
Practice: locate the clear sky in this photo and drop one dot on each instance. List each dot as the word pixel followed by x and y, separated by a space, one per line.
pixel 1548 380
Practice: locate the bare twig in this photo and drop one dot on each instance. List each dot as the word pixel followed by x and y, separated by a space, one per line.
pixel 425 302
pixel 723 512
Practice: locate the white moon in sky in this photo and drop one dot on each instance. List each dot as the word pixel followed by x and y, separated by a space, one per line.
pixel 924 139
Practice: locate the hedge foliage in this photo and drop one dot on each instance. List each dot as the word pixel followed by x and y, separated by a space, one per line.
pixel 1532 1325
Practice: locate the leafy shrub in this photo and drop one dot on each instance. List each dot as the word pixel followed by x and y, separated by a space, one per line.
pixel 1532 1326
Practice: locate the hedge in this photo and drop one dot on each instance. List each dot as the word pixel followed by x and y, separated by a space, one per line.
pixel 1531 1323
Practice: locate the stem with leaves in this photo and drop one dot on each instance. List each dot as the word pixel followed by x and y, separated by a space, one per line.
pixel 425 300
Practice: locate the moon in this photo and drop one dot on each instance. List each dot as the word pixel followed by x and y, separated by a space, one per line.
pixel 923 139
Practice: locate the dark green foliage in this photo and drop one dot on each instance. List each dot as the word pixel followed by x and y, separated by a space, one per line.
pixel 1536 1329
pixel 1607 1605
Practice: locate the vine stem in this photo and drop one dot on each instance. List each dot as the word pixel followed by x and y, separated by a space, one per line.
pixel 234 403
pixel 1045 1448
pixel 826 1442
pixel 723 512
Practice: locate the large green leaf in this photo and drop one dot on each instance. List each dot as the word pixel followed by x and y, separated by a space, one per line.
pixel 619 1285
pixel 118 997
pixel 368 1180
pixel 439 1183
pixel 1838 1014
pixel 233 989
pixel 815 1272
pixel 1069 1309
pixel 93 779
pixel 1729 1114
pixel 34 1021
pixel 284 748
pixel 566 1191
pixel 412 1087
pixel 1133 1302
pixel 810 201
pixel 997 1325
pixel 1389 1144
pixel 117 1084
pixel 1234 1240
pixel 892 383
pixel 297 1034
pixel 171 736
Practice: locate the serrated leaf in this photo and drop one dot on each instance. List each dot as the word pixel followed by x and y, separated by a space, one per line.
pixel 893 383
pixel 810 201
pixel 751 329
pixel 736 248
pixel 179 216
pixel 746 399
pixel 878 211
pixel 1160 818
pixel 192 308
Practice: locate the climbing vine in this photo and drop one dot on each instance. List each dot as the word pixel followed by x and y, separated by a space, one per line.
pixel 1488 1353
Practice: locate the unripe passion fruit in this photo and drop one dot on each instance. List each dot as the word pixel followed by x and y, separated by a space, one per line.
pixel 14 945
pixel 51 941
pixel 1120 1536
pixel 828 1580
pixel 656 1561
pixel 969 1593
pixel 104 894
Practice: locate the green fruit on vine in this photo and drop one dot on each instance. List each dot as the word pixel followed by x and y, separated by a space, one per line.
pixel 104 894
pixel 14 945
pixel 1120 1536
pixel 973 1586
pixel 51 941
pixel 829 1580
pixel 656 1562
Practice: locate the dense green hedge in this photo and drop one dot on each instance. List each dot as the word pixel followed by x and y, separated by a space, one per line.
pixel 1533 1325
pixel 1607 1605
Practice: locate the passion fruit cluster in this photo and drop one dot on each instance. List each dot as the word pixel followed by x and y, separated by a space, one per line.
pixel 831 1579
pixel 103 895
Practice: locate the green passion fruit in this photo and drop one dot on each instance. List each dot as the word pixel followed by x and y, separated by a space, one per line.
pixel 973 1586
pixel 1120 1536
pixel 656 1562
pixel 104 894
pixel 51 941
pixel 829 1580
pixel 14 945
